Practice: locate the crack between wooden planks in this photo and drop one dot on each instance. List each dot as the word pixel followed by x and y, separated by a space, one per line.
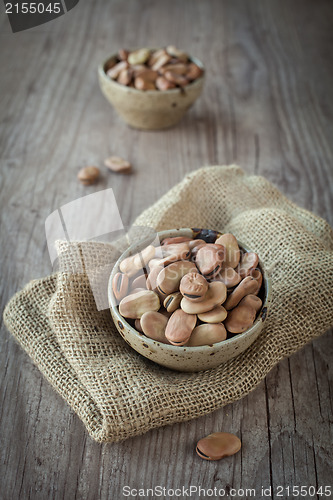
pixel 292 393
pixel 315 466
pixel 316 380
pixel 269 440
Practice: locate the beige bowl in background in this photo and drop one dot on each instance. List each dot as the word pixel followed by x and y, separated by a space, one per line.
pixel 149 109
pixel 182 358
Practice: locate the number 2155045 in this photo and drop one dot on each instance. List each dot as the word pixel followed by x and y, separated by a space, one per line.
pixel 33 8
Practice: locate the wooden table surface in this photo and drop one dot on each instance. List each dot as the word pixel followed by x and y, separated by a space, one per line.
pixel 268 106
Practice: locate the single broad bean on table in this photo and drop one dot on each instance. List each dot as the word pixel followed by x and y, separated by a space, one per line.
pixel 190 292
pixel 146 69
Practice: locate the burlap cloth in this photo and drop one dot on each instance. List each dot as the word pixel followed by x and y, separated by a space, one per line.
pixel 116 392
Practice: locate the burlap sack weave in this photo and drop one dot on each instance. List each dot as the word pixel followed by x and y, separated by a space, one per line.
pixel 116 392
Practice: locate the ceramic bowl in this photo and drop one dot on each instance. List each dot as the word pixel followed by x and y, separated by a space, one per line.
pixel 149 109
pixel 188 359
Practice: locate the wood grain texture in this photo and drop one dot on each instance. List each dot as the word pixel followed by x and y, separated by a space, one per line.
pixel 268 106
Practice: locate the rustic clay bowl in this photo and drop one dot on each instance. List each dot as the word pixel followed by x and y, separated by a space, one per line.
pixel 149 109
pixel 187 359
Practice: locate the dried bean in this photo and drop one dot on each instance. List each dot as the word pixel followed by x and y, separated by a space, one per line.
pixel 179 54
pixel 218 445
pixel 209 259
pixel 246 286
pixel 180 69
pixel 164 84
pixel 193 72
pixel 215 295
pixel 141 83
pixel 249 262
pixel 216 315
pixel 179 327
pixel 125 76
pixel 232 252
pixel 135 305
pixel 242 317
pixel 193 286
pixel 172 301
pixel 139 282
pixel 207 334
pixel 139 56
pixel 169 278
pixel 228 276
pixel 161 61
pixel 123 54
pixel 118 164
pixel 256 274
pixel 152 277
pixel 88 175
pixel 176 78
pixel 114 72
pixel 120 285
pixel 137 325
pixel 153 325
pixel 176 239
pixel 194 243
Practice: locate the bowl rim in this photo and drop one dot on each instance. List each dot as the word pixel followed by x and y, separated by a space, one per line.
pixel 172 348
pixel 176 91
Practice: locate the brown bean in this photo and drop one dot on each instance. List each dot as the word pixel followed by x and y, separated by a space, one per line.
pixel 228 276
pixel 164 84
pixel 149 74
pixel 117 164
pixel 135 305
pixel 176 239
pixel 172 256
pixel 246 286
pixel 139 282
pixel 215 295
pixel 179 54
pixel 169 278
pixel 194 243
pixel 175 78
pixel 152 277
pixel 161 61
pixel 131 265
pixel 207 334
pixel 241 318
pixel 251 301
pixel 193 71
pixel 209 259
pixel 179 327
pixel 120 285
pixel 136 290
pixel 88 175
pixel 138 69
pixel 216 315
pixel 172 301
pixel 123 54
pixel 180 68
pixel 114 72
pixel 155 55
pixel 137 325
pixel 218 445
pixel 153 325
pixel 256 274
pixel 141 83
pixel 139 56
pixel 125 76
pixel 249 261
pixel 232 252
pixel 193 286
pixel 180 251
